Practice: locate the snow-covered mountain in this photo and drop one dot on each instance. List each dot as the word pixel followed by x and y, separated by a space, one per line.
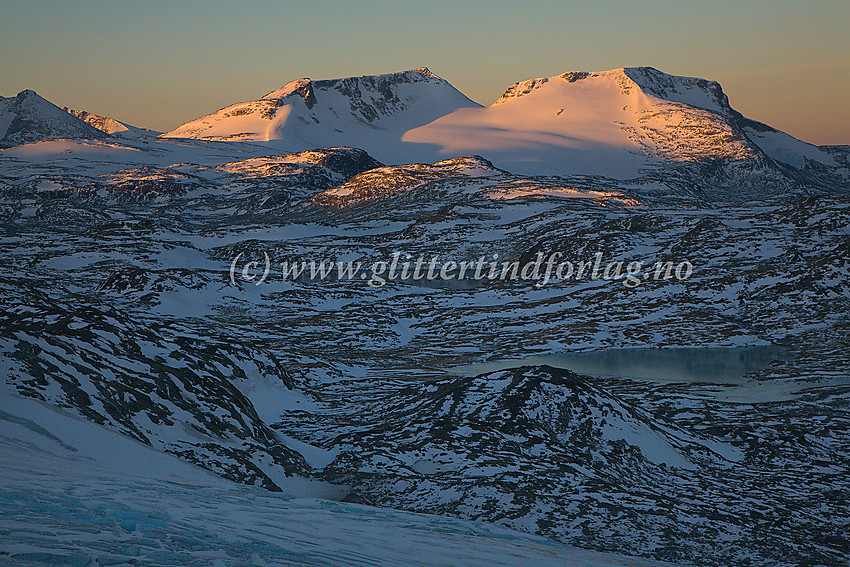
pixel 616 123
pixel 112 126
pixel 28 117
pixel 368 112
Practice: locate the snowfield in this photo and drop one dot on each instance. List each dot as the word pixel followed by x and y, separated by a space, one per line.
pixel 75 493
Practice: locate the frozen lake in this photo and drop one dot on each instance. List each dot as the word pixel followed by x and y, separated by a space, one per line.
pixel 674 365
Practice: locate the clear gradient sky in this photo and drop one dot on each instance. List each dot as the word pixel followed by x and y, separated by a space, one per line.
pixel 158 64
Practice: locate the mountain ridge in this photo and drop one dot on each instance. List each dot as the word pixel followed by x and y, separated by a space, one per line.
pixel 636 126
pixel 622 123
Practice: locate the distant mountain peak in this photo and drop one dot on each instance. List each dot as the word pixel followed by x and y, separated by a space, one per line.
pixel 304 87
pixel 701 93
pixel 26 93
pixel 110 125
pixel 28 117
pixel 424 71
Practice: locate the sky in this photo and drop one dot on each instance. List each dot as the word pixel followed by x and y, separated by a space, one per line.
pixel 158 64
